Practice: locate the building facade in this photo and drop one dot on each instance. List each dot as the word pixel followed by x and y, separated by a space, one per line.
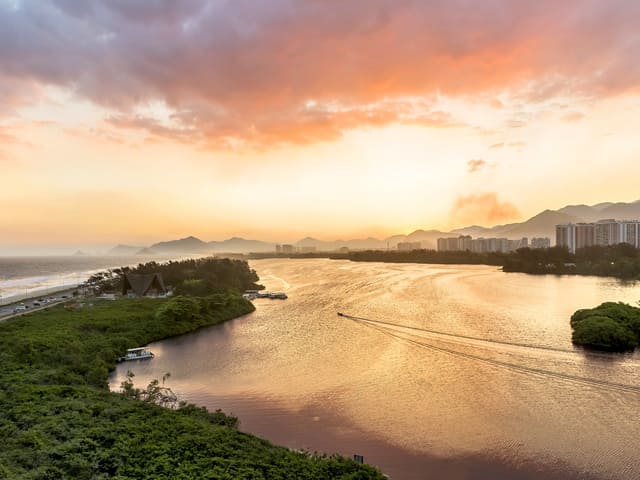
pixel 483 245
pixel 541 242
pixel 602 233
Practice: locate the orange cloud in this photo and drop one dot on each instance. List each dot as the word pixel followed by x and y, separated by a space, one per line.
pixel 244 72
pixel 482 209
pixel 476 165
pixel 573 117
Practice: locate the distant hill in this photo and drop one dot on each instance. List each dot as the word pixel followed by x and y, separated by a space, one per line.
pixel 241 245
pixel 541 225
pixel 428 238
pixel 619 211
pixel 622 211
pixel 146 252
pixel 354 244
pixel 544 223
pixel 124 250
pixel 584 212
pixel 184 245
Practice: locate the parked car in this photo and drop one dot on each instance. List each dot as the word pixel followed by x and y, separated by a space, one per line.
pixel 19 308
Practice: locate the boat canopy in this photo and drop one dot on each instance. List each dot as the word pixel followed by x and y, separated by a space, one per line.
pixel 139 349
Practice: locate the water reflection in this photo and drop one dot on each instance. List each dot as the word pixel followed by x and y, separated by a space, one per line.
pixel 532 406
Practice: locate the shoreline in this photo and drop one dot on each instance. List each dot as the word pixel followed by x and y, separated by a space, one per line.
pixel 297 428
pixel 65 386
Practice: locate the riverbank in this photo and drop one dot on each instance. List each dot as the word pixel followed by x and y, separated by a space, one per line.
pixel 299 375
pixel 60 420
pixel 620 261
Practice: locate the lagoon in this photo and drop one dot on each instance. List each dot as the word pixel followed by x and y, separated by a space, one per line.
pixel 486 383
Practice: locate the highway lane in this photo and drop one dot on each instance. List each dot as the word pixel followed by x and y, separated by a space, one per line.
pixel 7 311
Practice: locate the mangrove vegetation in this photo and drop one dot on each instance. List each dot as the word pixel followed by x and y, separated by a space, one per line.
pixel 621 261
pixel 611 327
pixel 59 419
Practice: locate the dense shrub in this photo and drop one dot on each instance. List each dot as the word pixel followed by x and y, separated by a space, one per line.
pixel 603 333
pixel 609 327
pixel 58 419
pixel 201 276
pixel 179 309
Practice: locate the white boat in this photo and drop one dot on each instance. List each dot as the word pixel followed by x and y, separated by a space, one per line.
pixel 141 353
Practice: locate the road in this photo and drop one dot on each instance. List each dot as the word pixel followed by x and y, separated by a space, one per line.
pixel 7 311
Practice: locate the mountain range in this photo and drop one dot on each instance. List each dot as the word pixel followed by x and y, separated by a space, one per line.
pixel 540 225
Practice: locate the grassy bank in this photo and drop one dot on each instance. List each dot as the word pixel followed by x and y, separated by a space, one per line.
pixel 58 419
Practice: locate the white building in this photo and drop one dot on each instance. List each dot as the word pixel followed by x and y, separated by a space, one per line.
pixel 603 233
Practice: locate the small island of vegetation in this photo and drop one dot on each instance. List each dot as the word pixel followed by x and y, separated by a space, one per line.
pixel 610 327
pixel 59 419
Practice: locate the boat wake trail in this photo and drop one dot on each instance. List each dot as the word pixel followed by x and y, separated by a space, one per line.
pixel 453 335
pixel 594 382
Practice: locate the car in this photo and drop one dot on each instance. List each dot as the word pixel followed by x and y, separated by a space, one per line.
pixel 37 304
pixel 19 308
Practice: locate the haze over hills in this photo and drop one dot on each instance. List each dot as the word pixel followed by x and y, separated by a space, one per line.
pixel 540 225
pixel 125 250
pixel 543 224
pixel 619 211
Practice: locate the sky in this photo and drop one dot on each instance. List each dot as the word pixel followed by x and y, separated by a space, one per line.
pixel 130 121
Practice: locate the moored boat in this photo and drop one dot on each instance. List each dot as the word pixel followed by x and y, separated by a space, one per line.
pixel 140 353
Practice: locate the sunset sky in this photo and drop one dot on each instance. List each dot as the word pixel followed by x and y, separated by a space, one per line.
pixel 130 121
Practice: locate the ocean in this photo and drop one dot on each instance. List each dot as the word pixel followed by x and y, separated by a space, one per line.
pixel 24 277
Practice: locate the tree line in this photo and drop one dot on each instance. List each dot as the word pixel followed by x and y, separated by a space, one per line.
pixel 200 276
pixel 621 261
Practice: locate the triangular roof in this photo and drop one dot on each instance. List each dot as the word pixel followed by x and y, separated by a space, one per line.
pixel 142 283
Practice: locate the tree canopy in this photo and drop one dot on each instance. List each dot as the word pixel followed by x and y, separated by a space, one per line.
pixel 610 326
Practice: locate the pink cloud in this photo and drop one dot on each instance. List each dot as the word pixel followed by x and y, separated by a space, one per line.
pixel 245 70
pixel 482 209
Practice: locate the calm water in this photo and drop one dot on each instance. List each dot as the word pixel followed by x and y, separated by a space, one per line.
pixel 416 403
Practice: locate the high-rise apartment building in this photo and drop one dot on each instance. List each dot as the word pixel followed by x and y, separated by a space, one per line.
pixel 602 233
pixel 542 242
pixel 585 235
pixel 482 245
pixel 566 236
pixel 608 232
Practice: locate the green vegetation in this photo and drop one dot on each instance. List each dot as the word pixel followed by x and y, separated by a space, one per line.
pixel 621 261
pixel 426 256
pixel 58 419
pixel 200 276
pixel 612 327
